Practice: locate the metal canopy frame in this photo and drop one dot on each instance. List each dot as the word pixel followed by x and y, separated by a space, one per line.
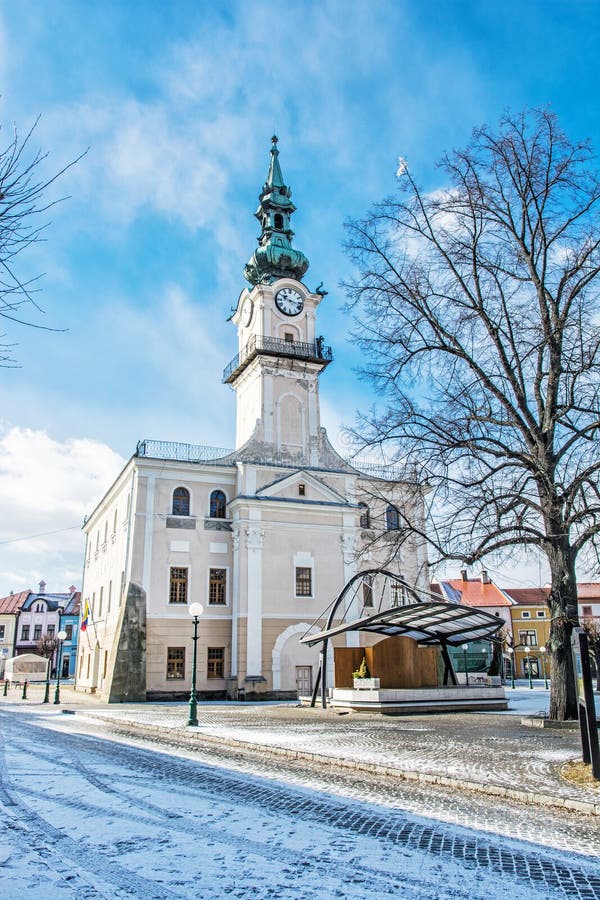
pixel 429 621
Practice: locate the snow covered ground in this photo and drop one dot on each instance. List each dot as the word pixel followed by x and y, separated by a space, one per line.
pixel 87 817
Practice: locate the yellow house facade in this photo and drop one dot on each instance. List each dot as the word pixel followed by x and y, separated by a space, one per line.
pixel 531 631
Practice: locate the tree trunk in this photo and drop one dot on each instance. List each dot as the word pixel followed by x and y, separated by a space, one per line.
pixel 563 610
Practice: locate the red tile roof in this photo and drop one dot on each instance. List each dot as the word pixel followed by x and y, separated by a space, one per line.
pixel 588 590
pixel 528 596
pixel 474 592
pixel 14 602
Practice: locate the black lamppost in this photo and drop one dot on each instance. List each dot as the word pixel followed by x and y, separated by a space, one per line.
pixel 511 651
pixel 195 610
pixel 528 660
pixel 61 637
pixel 465 647
pixel 543 652
pixel 47 691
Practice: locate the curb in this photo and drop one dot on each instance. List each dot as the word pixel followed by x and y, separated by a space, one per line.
pixel 191 737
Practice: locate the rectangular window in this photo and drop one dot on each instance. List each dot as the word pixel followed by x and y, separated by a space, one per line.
pixel 217 587
pixel 100 601
pixel 303 581
pixel 175 662
pixel 87 671
pixel 109 597
pixel 302 490
pixel 81 663
pixel 397 594
pixel 122 591
pixel 288 337
pixel 529 638
pixel 105 666
pixel 178 585
pixel 2 627
pixel 216 662
pixel 37 632
pixel 25 633
pixel 525 614
pixel 69 632
pixel 50 630
pixel 367 590
pixel 586 612
pixel 541 613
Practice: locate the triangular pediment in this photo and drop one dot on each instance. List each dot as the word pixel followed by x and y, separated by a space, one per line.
pixel 287 487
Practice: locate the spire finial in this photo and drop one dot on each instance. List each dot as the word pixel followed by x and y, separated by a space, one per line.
pixel 275 256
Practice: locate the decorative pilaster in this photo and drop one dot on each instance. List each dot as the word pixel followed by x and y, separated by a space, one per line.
pixel 348 541
pixel 254 543
pixel 235 600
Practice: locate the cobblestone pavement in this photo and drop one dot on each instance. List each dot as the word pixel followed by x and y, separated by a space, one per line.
pixel 366 838
pixel 492 751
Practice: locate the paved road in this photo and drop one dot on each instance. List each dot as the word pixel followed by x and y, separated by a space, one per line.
pixel 87 816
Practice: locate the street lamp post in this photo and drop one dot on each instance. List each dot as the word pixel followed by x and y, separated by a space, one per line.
pixel 61 637
pixel 528 658
pixel 511 653
pixel 195 610
pixel 465 647
pixel 47 691
pixel 543 652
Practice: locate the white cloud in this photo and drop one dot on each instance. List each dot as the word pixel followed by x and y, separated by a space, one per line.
pixel 47 486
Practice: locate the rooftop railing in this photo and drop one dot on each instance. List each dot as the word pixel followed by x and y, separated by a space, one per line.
pixel 269 346
pixel 202 453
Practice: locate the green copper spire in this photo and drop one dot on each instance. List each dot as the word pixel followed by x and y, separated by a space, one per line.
pixel 275 257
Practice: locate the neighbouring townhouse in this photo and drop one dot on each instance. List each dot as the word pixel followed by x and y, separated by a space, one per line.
pixel 479 593
pixel 38 615
pixel 10 607
pixel 531 631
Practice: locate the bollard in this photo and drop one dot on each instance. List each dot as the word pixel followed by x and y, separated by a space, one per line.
pixel 5 692
pixel 24 694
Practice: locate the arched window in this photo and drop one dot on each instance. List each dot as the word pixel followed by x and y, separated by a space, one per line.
pixel 365 516
pixel 218 504
pixel 278 220
pixel 181 502
pixel 392 518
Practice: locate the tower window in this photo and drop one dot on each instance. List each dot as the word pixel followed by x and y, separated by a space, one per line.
pixel 217 587
pixel 365 516
pixel 303 581
pixel 181 502
pixel 175 662
pixel 178 584
pixel 288 337
pixel 215 662
pixel 218 505
pixel 368 590
pixel 302 490
pixel 392 518
pixel 278 220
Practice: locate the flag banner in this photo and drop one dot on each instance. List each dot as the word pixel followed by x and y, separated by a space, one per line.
pixel 86 615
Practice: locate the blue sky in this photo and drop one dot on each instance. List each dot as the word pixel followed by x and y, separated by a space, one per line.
pixel 177 102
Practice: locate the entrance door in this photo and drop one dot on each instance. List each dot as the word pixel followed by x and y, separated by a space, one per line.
pixel 65 667
pixel 304 680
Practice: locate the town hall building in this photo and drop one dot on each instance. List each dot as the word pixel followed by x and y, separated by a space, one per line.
pixel 264 536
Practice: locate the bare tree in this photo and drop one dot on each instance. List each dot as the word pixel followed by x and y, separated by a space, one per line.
pixel 22 208
pixel 477 311
pixel 47 645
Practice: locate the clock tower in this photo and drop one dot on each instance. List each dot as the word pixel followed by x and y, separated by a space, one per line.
pixel 276 371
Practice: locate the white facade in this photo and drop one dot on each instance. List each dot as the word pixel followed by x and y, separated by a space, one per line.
pixel 268 552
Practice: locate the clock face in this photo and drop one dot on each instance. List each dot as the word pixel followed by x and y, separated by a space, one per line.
pixel 247 310
pixel 289 301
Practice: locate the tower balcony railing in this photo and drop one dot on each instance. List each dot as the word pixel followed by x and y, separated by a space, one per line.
pixel 259 345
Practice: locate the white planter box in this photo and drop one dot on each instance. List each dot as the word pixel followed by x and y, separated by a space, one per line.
pixel 366 684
